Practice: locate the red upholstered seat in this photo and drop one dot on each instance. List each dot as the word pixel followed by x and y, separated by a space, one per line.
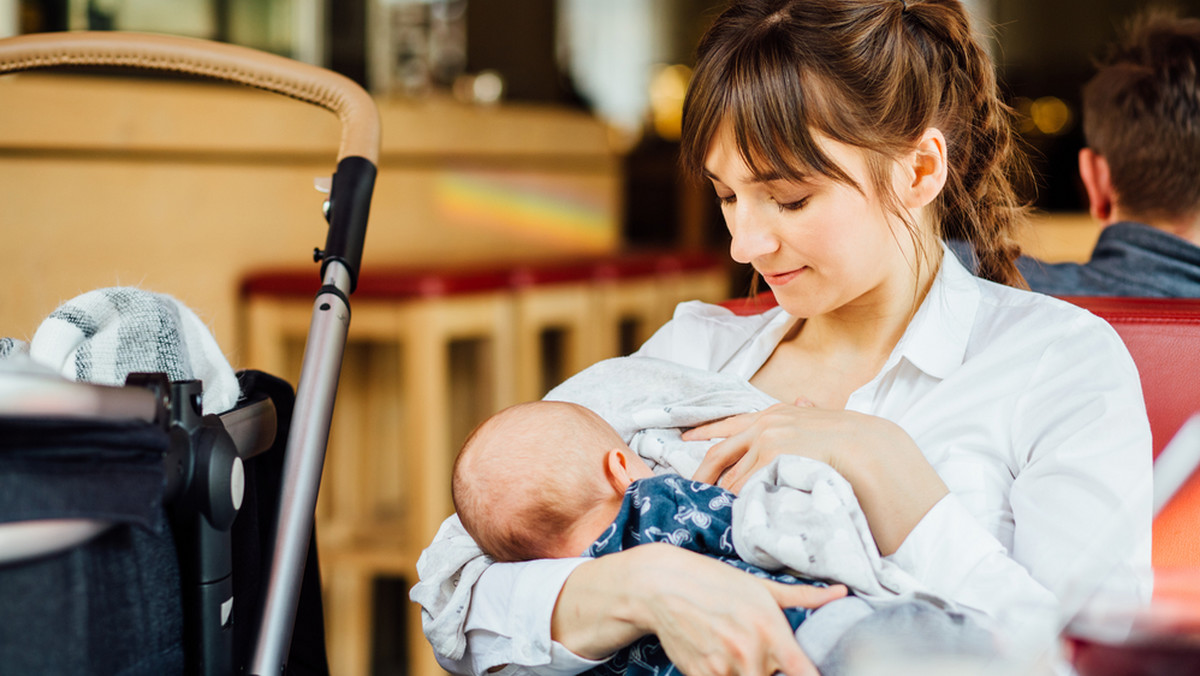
pixel 1163 336
pixel 383 283
pixel 752 305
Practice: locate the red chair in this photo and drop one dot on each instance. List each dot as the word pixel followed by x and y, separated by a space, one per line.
pixel 1163 336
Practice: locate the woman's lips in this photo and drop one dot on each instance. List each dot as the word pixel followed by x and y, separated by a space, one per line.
pixel 780 278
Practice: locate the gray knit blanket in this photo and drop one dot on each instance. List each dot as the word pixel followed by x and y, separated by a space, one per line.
pixel 104 335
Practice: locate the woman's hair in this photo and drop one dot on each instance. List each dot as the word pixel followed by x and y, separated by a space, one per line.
pixel 1141 112
pixel 874 74
pixel 526 476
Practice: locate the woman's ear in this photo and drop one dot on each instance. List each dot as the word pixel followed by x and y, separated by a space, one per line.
pixel 925 170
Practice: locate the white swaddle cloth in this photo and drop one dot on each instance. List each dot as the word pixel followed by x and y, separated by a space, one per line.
pixel 650 402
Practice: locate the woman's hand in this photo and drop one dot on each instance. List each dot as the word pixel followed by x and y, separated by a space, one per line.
pixel 712 619
pixel 894 483
pixel 753 440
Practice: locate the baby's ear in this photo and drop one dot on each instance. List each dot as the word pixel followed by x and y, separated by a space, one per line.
pixel 616 469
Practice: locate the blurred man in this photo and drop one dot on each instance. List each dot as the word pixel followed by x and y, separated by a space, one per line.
pixel 1141 167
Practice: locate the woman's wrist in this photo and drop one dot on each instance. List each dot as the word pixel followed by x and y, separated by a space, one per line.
pixel 601 607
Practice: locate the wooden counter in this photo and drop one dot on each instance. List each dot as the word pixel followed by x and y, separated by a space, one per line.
pixel 183 187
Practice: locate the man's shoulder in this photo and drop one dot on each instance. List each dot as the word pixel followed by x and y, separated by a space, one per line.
pixel 1130 259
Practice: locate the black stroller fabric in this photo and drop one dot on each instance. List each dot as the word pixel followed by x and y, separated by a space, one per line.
pixel 61 469
pixel 113 606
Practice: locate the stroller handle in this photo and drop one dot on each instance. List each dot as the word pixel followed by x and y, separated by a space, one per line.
pixel 141 51
pixel 358 152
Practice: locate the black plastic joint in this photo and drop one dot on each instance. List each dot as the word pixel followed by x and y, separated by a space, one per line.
pixel 349 206
pixel 333 291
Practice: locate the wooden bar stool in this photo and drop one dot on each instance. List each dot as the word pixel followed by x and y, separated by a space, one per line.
pixel 429 355
pixel 554 324
pixel 362 623
pixel 692 275
pixel 422 313
pixel 629 304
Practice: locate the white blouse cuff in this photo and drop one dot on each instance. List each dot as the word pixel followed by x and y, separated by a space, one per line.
pixel 518 622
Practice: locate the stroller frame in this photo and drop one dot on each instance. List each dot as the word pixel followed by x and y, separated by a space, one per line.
pixel 346 212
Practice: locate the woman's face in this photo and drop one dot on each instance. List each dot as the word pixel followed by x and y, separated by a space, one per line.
pixel 821 245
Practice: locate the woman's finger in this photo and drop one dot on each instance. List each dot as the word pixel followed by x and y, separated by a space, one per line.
pixel 738 472
pixel 804 595
pixel 789 659
pixel 719 458
pixel 719 429
pixel 786 656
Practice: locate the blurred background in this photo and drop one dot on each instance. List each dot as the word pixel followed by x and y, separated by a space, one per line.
pixel 535 136
pixel 624 60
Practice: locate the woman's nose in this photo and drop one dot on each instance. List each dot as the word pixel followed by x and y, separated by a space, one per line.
pixel 751 236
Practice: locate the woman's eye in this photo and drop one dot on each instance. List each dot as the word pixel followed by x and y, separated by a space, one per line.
pixel 793 206
pixel 723 200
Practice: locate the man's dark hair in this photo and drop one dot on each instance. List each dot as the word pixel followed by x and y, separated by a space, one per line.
pixel 1141 112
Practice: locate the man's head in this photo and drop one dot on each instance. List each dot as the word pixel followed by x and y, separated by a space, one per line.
pixel 1141 118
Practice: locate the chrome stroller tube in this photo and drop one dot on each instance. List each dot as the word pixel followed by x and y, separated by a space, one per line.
pixel 304 460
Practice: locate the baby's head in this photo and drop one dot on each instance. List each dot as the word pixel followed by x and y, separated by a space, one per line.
pixel 542 480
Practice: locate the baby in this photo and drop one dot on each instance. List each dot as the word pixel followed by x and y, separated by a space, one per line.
pixel 552 479
pixel 563 480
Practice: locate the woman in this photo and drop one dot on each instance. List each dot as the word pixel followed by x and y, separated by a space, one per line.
pixel 991 434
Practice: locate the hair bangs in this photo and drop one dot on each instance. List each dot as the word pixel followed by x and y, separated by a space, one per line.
pixel 771 106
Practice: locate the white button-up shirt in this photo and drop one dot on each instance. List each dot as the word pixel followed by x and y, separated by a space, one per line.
pixel 1029 408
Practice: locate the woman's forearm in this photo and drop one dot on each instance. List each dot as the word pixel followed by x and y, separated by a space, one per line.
pixel 894 483
pixel 595 613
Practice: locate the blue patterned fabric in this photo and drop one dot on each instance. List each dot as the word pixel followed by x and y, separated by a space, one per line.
pixel 684 513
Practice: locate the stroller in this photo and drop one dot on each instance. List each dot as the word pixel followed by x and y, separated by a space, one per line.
pixel 90 475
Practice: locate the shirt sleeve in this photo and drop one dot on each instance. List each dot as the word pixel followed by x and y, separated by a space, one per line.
pixel 508 622
pixel 1085 495
pixel 701 335
pixel 1081 494
pixel 972 568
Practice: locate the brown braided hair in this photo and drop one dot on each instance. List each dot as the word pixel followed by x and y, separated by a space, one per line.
pixel 874 74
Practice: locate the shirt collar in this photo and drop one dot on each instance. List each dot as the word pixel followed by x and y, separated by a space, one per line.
pixel 936 338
